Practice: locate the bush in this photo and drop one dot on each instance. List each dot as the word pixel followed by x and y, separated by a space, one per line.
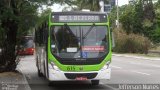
pixel 130 43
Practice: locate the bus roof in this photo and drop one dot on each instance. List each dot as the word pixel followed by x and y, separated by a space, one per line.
pixel 79 12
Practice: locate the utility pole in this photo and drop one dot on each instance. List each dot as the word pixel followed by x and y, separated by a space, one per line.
pixel 117 21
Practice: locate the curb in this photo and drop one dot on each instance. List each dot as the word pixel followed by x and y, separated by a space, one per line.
pixel 145 58
pixel 13 81
pixel 25 82
pixel 27 87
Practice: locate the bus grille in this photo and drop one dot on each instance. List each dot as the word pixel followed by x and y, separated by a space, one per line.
pixel 74 75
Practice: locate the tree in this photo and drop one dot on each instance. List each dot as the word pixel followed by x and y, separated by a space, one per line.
pixel 142 17
pixel 138 18
pixel 14 17
pixel 156 33
pixel 126 18
pixel 92 5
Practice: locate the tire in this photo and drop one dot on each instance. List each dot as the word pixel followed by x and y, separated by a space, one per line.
pixel 39 73
pixel 51 83
pixel 44 70
pixel 95 82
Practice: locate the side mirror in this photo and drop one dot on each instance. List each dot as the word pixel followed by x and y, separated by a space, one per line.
pixel 113 40
pixel 112 37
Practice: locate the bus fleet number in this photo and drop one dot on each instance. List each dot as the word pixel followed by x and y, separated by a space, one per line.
pixel 71 68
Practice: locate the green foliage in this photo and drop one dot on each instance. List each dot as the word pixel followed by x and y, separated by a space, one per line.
pixel 155 36
pixel 16 18
pixel 138 18
pixel 92 5
pixel 43 16
pixel 127 18
pixel 142 17
pixel 130 43
pixel 1 36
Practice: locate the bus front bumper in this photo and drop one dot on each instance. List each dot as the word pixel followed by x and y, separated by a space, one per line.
pixel 57 75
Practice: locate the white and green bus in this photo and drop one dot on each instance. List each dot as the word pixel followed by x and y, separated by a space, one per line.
pixel 74 46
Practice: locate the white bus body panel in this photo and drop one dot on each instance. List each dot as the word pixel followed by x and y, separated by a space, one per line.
pixel 57 75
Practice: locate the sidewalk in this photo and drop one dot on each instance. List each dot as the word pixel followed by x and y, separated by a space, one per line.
pixel 137 56
pixel 13 81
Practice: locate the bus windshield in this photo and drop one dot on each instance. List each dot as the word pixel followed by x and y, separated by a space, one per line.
pixel 79 41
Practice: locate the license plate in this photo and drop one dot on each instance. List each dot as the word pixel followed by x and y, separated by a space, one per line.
pixel 81 78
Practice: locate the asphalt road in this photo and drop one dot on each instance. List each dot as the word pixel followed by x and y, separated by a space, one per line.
pixel 125 70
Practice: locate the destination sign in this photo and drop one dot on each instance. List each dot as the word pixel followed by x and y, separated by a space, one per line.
pixel 79 18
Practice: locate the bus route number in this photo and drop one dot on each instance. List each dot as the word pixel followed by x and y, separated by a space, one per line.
pixel 71 68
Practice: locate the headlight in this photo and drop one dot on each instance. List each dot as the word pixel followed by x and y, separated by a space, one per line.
pixel 106 66
pixel 54 66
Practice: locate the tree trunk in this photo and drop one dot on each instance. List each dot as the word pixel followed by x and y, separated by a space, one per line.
pixel 8 55
pixel 10 25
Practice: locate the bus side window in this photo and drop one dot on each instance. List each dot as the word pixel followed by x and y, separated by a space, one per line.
pixel 41 36
pixel 37 33
pixel 45 34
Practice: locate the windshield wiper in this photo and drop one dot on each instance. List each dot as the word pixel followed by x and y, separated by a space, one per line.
pixel 88 31
pixel 68 29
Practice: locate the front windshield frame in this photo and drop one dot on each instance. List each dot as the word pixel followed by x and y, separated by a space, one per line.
pixel 91 26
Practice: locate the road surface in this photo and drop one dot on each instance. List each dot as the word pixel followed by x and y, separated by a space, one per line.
pixel 125 70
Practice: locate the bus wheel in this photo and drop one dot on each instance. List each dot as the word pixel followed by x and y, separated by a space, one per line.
pixel 51 83
pixel 95 82
pixel 39 73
